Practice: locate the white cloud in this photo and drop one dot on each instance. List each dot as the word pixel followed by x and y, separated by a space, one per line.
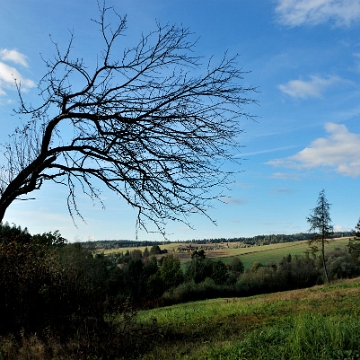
pixel 14 56
pixel 340 151
pixel 312 88
pixel 8 75
pixel 313 12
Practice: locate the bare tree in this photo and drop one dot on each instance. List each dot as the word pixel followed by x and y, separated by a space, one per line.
pixel 320 225
pixel 144 123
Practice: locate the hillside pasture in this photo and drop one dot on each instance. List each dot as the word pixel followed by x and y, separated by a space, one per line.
pixel 315 323
pixel 265 254
pixel 274 253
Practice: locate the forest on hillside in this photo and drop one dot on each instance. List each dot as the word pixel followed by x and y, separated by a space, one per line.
pixel 255 240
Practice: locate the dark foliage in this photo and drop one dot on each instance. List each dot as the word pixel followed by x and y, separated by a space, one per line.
pixel 340 265
pixel 48 284
pixel 199 269
pixel 13 233
pixel 236 266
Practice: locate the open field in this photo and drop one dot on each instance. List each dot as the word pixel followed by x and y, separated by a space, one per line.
pixel 274 253
pixel 264 254
pixel 169 247
pixel 315 323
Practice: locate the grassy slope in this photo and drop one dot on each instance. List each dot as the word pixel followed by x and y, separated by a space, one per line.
pixel 263 254
pixel 274 253
pixel 316 323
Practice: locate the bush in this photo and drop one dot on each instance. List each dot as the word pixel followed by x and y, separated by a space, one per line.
pixel 191 291
pixel 170 272
pixel 13 234
pixel 237 266
pixel 199 269
pixel 263 280
pixel 219 272
pixel 24 280
pixel 300 272
pixel 340 265
pixel 46 284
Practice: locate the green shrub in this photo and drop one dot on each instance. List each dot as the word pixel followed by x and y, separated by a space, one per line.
pixel 340 265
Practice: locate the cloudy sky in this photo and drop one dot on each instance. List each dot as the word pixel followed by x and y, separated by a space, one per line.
pixel 302 55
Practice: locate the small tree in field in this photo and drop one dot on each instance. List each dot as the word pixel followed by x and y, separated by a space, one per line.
pixel 320 225
pixel 151 122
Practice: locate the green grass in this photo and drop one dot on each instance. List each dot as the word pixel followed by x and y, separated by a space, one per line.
pixel 264 254
pixel 316 323
pixel 275 252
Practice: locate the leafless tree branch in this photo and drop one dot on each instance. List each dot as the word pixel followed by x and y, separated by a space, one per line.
pixel 142 122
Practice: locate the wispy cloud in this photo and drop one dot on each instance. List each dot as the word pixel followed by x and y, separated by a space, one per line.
pixel 233 201
pixel 185 228
pixel 282 191
pixel 340 151
pixel 9 74
pixel 243 185
pixel 357 62
pixel 314 87
pixel 266 151
pixel 338 228
pixel 314 12
pixel 13 56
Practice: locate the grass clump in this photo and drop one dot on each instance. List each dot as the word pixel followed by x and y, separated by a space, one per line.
pixel 321 337
pixel 305 337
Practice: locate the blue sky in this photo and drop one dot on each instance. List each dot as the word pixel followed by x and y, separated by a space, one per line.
pixel 304 57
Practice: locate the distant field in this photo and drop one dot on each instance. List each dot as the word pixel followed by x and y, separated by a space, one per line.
pixel 169 248
pixel 264 254
pixel 274 253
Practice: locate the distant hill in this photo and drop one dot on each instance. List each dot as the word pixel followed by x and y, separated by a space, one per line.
pixel 255 240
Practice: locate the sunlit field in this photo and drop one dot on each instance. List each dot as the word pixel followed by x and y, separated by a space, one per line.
pixel 316 323
pixel 264 254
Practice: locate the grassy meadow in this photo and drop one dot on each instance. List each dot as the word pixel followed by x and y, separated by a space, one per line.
pixel 322 322
pixel 264 254
pixel 274 253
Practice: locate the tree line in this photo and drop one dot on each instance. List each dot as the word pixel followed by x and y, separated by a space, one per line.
pixel 252 241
